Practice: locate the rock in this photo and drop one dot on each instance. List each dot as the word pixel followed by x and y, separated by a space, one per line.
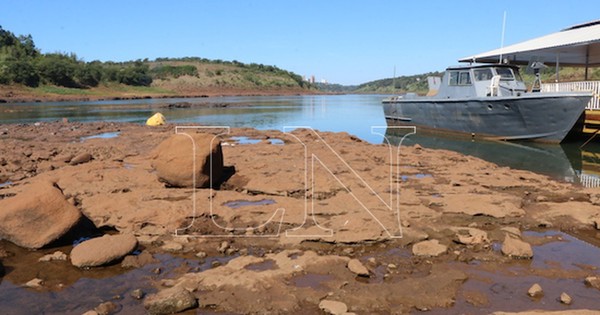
pixel 106 308
pixel 63 158
pixel 37 216
pixel 169 301
pixel 173 160
pixel 90 312
pixel 593 281
pixel 516 248
pixel 372 261
pixel 356 267
pixel 535 290
pixel 57 255
pixel 34 283
pixel 137 261
pixel 565 299
pixel 512 230
pixel 333 307
pixel 137 294
pixel 431 248
pixel 171 246
pixel 223 247
pixel 102 250
pixel 471 236
pixel 392 266
pixel 201 254
pixel 81 158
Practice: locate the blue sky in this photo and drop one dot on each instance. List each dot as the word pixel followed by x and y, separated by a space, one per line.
pixel 347 42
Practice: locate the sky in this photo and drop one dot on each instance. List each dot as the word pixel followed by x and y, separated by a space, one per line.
pixel 342 41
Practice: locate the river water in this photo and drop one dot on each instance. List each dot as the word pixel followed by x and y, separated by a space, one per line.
pixel 360 115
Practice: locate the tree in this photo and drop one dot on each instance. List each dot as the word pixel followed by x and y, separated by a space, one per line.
pixel 89 74
pixel 135 75
pixel 58 69
pixel 23 72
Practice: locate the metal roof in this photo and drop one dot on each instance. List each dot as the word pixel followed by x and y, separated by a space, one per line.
pixel 574 46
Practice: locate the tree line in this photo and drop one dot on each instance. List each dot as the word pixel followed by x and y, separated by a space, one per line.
pixel 23 63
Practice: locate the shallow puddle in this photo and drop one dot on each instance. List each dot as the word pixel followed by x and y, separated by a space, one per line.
pixel 105 135
pixel 415 176
pixel 245 140
pixel 244 203
pixel 268 264
pixel 311 280
pixel 559 265
pixel 70 290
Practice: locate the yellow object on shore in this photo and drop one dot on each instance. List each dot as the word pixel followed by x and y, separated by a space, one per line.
pixel 156 120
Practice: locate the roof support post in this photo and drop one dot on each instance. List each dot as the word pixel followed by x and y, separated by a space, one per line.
pixel 587 60
pixel 557 64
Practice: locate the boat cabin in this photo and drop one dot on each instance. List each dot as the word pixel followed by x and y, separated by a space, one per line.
pixel 481 81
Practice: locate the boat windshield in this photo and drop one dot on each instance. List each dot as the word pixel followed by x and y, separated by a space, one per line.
pixel 506 74
pixel 484 74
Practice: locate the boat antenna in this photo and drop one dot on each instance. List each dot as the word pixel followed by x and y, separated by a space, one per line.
pixel 502 39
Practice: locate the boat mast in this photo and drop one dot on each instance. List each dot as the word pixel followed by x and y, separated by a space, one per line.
pixel 502 39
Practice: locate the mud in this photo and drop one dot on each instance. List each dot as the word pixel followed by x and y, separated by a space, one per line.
pixel 292 214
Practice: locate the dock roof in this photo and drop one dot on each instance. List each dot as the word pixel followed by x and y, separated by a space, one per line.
pixel 578 45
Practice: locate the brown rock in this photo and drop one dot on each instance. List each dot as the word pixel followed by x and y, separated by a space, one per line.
pixel 169 301
pixel 137 261
pixel 37 216
pixel 333 307
pixel 57 255
pixel 102 250
pixel 81 158
pixel 535 290
pixel 106 308
pixel 593 281
pixel 429 248
pixel 358 268
pixel 174 159
pixel 565 299
pixel 516 248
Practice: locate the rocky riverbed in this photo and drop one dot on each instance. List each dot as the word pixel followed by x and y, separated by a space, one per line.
pixel 246 221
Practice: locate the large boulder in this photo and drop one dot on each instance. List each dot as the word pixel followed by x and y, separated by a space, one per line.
pixel 102 250
pixel 37 216
pixel 174 158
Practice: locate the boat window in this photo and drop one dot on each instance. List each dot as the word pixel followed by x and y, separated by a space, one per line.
pixel 453 78
pixel 465 78
pixel 505 73
pixel 483 74
pixel 460 78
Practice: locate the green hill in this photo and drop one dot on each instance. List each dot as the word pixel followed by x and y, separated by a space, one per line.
pixel 26 73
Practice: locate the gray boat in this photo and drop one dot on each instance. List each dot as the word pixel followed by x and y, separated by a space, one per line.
pixel 488 101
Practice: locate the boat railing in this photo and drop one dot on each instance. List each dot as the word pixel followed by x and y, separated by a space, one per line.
pixel 589 181
pixel 593 86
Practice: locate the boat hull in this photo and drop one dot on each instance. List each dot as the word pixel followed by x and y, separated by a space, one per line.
pixel 545 117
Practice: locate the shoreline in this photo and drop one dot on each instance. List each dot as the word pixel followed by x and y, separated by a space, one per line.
pixel 14 95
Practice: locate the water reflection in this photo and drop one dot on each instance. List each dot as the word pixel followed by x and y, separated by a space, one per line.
pixel 565 162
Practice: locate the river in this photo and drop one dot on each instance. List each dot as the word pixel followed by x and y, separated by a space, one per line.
pixel 360 115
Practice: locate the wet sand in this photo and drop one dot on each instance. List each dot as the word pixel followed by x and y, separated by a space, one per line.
pixel 290 213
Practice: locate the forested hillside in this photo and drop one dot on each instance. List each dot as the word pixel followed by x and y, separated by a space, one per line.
pixel 24 70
